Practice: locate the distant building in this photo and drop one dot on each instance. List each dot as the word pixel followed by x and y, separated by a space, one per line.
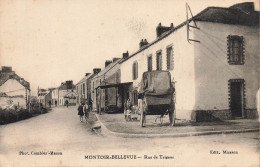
pixel 83 87
pixel 55 96
pixel 215 65
pixel 44 97
pixel 14 90
pixel 103 97
pixel 64 93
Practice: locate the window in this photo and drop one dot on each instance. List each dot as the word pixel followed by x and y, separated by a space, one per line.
pixel 169 57
pixel 135 70
pixel 150 63
pixel 235 50
pixel 83 89
pixel 159 60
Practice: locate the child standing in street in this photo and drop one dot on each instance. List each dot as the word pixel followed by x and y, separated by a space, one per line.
pixel 80 112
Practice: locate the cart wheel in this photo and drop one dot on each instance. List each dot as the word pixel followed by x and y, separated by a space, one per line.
pixel 171 118
pixel 142 119
pixel 144 110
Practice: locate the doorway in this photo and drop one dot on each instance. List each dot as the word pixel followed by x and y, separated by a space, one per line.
pixel 237 97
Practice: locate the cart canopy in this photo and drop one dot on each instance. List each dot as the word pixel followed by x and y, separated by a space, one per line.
pixel 156 83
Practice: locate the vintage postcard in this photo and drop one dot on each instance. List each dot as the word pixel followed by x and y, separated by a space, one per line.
pixel 129 83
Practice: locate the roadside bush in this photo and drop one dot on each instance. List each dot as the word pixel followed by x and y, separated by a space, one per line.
pixel 24 114
pixel 7 116
pixel 11 115
pixel 39 110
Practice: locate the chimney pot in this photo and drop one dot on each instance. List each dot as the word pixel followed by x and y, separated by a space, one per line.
pixel 96 70
pixel 107 63
pixel 125 55
pixel 143 43
pixel 162 29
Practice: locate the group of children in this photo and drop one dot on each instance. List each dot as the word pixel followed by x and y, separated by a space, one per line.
pixel 84 109
pixel 131 111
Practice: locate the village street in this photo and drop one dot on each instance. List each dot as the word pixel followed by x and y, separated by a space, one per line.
pixel 62 132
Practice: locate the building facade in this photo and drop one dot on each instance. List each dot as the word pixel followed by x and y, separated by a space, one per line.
pixel 55 96
pixel 44 97
pixel 83 87
pixel 109 75
pixel 214 66
pixel 63 93
pixel 14 90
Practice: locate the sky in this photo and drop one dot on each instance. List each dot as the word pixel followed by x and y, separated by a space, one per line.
pixel 50 41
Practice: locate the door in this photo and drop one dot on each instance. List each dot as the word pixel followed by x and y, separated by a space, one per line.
pixel 236 98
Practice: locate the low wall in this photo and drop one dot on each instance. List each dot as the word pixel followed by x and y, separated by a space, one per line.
pixel 251 113
pixel 217 115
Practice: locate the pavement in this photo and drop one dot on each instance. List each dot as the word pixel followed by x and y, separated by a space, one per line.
pixel 115 124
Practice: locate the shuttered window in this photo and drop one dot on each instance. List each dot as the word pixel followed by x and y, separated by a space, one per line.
pixel 159 60
pixel 235 49
pixel 135 70
pixel 169 57
pixel 150 63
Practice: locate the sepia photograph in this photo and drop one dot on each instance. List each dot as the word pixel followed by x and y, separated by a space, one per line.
pixel 113 83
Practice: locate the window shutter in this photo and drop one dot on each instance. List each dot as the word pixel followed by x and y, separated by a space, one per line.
pixel 235 54
pixel 136 70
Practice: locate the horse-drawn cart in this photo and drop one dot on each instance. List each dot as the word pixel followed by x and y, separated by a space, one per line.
pixel 156 92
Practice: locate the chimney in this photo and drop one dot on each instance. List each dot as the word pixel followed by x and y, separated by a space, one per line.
pixel 6 69
pixel 115 59
pixel 143 43
pixel 96 70
pixel 69 84
pixel 107 63
pixel 162 29
pixel 87 74
pixel 125 55
pixel 11 76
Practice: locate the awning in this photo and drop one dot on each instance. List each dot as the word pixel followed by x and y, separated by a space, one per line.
pixel 115 85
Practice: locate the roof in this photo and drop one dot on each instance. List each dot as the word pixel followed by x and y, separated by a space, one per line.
pixel 238 14
pixel 63 86
pixel 109 67
pixel 43 92
pixel 230 15
pixel 12 75
pixel 85 78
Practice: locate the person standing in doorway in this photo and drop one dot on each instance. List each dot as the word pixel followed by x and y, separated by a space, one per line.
pixel 49 103
pixel 67 103
pixel 56 103
pixel 80 112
